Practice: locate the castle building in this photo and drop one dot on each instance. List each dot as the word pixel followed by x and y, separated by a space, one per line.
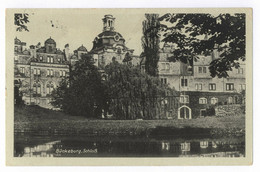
pixel 38 70
pixel 196 88
pixel 110 45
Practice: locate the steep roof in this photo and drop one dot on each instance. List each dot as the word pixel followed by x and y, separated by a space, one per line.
pixel 50 41
pixel 109 33
pixel 82 48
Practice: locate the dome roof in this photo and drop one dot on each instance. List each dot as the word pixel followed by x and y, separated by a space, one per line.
pixel 26 52
pixel 50 41
pixel 109 33
pixel 17 41
pixel 82 48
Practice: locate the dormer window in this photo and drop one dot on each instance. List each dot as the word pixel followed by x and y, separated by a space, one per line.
pixel 49 59
pixel 50 48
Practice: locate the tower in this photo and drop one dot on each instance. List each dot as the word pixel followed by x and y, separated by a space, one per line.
pixel 108 23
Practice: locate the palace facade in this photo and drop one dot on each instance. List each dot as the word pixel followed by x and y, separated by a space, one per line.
pixel 197 89
pixel 39 69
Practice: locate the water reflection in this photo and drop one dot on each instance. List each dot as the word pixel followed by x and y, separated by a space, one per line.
pixel 127 147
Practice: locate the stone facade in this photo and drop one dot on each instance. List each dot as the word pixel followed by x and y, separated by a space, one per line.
pixel 110 45
pixel 197 90
pixel 38 71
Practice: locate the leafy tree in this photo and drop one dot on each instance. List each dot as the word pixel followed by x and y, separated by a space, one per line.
pixel 82 92
pixel 225 33
pixel 132 94
pixel 20 20
pixel 150 43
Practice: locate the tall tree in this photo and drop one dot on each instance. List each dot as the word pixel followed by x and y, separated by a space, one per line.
pixel 150 43
pixel 135 94
pixel 225 33
pixel 82 92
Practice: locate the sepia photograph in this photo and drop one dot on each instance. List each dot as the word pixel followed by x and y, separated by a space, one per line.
pixel 129 83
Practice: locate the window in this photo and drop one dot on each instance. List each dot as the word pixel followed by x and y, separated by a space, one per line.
pixel 50 87
pixel 229 86
pixel 48 72
pixel 37 88
pixel 62 73
pixel 58 59
pixel 240 70
pixel 38 72
pixel 242 87
pixel 15 48
pixel 203 101
pixel 163 66
pixel 184 82
pixel 164 80
pixel 230 100
pixel 41 58
pixel 198 86
pixel 15 58
pixel 202 70
pixel 167 66
pixel 214 100
pixel 22 70
pixel 119 50
pixel 184 99
pixel 212 86
pixel 51 72
pixel 51 59
pixel 50 48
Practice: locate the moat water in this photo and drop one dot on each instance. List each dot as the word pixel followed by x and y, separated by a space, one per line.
pixel 82 146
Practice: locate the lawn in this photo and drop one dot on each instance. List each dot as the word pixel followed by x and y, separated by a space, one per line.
pixel 37 118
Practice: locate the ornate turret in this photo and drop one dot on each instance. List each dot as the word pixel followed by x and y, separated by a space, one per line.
pixel 108 23
pixel 109 37
pixel 50 45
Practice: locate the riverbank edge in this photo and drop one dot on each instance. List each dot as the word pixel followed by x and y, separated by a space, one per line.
pixel 143 132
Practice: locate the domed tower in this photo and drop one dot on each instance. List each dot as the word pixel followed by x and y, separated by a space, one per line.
pixel 50 45
pixel 109 38
pixel 109 45
pixel 108 23
pixel 81 50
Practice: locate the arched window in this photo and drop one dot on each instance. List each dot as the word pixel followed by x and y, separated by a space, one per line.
pixel 203 100
pixel 214 100
pixel 50 88
pixel 34 88
pixel 230 100
pixel 37 88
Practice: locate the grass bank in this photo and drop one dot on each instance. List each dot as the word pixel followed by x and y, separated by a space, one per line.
pixel 43 121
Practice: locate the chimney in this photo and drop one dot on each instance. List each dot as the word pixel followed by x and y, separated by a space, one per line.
pixel 67 51
pixel 33 51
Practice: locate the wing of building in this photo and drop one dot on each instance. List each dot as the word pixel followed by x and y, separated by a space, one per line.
pixel 197 89
pixel 38 70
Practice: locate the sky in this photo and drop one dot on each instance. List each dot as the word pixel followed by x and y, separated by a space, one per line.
pixel 77 27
